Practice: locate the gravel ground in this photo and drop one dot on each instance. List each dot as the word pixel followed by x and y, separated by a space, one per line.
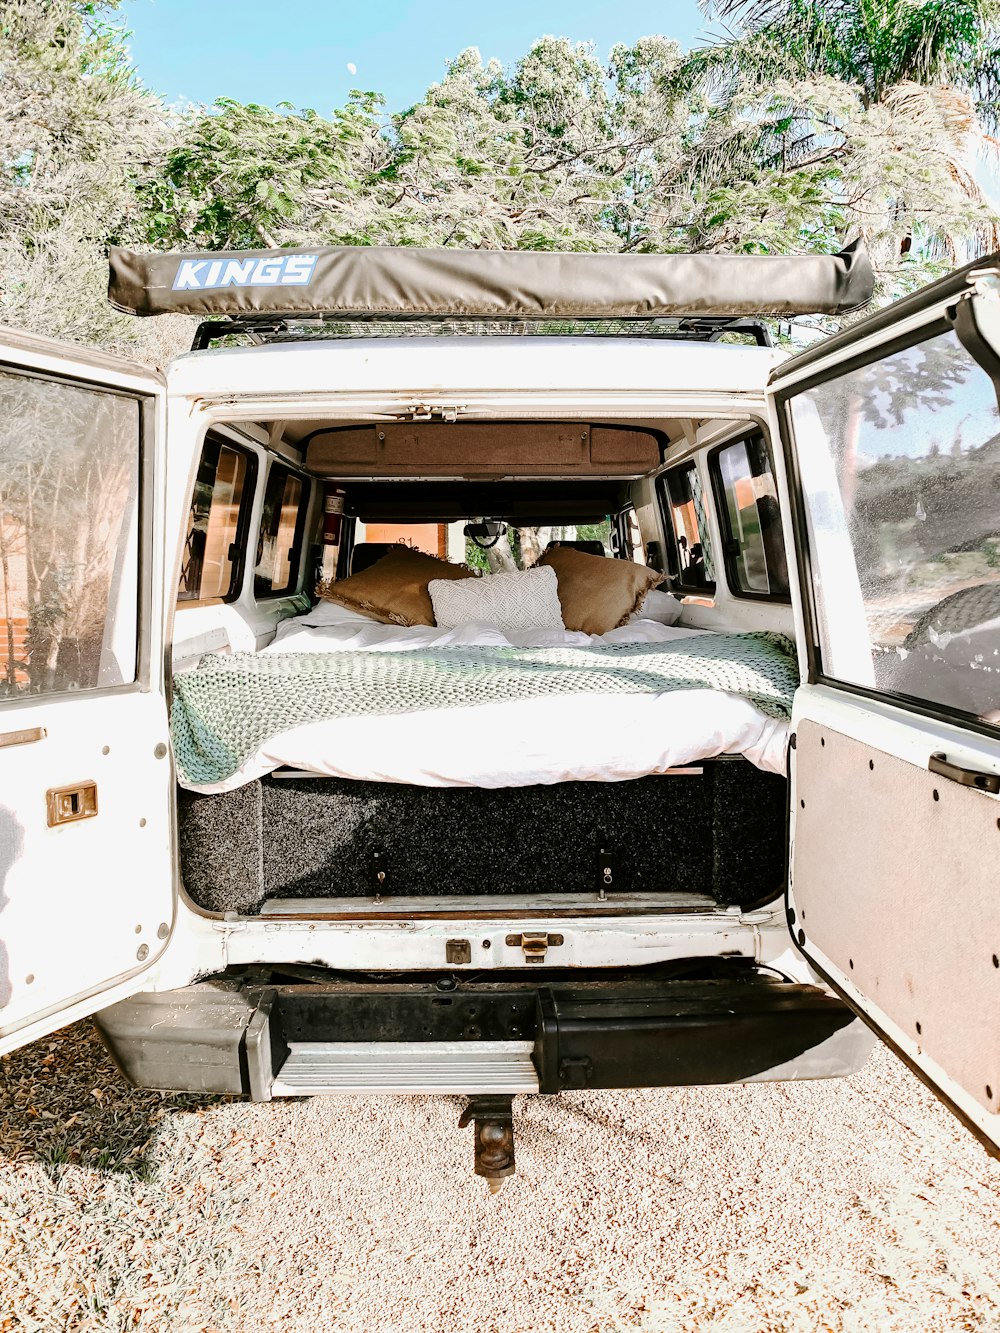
pixel 850 1205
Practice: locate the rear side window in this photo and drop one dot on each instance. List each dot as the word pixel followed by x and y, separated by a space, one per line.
pixel 750 518
pixel 217 524
pixel 281 526
pixel 684 502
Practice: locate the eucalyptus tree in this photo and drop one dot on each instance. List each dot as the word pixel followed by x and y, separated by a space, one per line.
pixel 840 116
pixel 77 132
pixel 809 121
pixel 558 152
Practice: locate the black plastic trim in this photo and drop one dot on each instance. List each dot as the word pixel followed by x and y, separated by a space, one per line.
pixel 962 318
pixel 678 1034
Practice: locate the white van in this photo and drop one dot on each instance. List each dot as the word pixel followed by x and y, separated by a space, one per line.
pixel 722 830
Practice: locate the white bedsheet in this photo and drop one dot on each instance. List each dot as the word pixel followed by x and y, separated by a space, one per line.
pixel 593 738
pixel 358 632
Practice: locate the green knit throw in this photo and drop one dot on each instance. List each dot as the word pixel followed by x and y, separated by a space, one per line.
pixel 228 707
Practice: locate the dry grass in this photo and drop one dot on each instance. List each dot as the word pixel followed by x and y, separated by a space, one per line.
pixel 847 1206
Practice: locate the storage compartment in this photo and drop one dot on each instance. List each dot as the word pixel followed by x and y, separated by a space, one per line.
pixel 478 449
pixel 717 830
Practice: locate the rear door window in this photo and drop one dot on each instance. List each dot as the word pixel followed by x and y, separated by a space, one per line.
pixel 750 518
pixel 904 525
pixel 217 524
pixel 282 523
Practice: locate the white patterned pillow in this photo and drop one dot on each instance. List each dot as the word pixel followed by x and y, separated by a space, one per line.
pixel 659 606
pixel 525 599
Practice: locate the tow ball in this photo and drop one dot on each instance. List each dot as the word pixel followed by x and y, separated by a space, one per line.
pixel 492 1119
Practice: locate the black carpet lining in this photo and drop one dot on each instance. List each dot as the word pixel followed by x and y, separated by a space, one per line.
pixel 720 833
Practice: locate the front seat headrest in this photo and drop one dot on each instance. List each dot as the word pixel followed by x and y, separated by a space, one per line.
pixel 589 546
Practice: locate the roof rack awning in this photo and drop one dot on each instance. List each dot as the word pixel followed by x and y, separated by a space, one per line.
pixel 367 280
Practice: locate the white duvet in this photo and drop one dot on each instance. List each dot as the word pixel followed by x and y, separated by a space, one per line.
pixel 592 738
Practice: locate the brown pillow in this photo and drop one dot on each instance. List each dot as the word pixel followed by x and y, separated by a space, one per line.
pixel 597 594
pixel 394 589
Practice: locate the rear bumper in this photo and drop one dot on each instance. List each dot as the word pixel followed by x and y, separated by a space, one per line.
pixel 451 1035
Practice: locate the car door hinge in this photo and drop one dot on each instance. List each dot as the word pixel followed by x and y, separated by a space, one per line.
pixel 534 944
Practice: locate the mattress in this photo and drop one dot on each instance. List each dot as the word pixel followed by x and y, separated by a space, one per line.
pixel 518 743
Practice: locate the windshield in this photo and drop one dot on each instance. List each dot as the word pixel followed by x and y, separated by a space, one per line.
pixel 520 548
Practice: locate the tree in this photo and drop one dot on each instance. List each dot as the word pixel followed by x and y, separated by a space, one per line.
pixel 557 153
pixel 811 121
pixel 245 176
pixel 869 115
pixel 77 132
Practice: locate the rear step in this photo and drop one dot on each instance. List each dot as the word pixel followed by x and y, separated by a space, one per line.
pixel 467 1034
pixel 486 1039
pixel 406 1066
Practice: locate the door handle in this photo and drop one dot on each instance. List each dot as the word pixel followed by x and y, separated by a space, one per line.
pixel 24 737
pixel 966 777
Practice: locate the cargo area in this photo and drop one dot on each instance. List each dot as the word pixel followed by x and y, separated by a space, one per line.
pixel 716 832
pixel 476 836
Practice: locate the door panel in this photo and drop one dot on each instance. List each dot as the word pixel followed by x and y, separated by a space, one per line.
pixel 86 874
pixel 922 945
pixel 893 456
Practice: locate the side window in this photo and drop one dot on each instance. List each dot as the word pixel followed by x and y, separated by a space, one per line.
pixel 69 536
pixel 903 514
pixel 750 518
pixel 220 509
pixel 626 537
pixel 684 503
pixel 281 526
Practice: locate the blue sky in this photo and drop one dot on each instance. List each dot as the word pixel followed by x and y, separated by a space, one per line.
pixel 298 51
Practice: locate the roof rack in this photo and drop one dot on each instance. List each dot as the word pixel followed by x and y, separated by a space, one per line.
pixel 268 329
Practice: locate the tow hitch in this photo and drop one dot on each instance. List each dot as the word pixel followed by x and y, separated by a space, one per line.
pixel 493 1124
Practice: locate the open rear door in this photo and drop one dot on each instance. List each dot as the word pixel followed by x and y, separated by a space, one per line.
pixel 892 447
pixel 86 867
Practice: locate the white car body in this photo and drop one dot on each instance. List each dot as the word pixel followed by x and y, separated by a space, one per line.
pixel 95 911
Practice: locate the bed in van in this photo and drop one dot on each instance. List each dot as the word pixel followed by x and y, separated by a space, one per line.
pixel 498 674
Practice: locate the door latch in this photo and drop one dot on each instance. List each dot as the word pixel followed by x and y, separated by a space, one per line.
pixel 446 412
pixel 66 805
pixel 606 870
pixel 534 944
pixel 378 873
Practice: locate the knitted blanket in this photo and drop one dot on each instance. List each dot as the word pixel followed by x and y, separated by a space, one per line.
pixel 228 707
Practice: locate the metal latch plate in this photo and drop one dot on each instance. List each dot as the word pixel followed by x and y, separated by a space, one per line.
pixel 534 943
pixel 65 805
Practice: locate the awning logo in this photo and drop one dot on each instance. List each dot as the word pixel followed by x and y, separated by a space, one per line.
pixel 203 275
